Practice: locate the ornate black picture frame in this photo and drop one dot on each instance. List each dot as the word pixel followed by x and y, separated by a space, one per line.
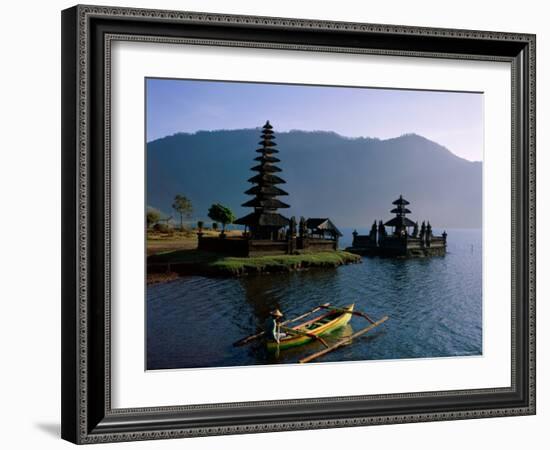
pixel 87 33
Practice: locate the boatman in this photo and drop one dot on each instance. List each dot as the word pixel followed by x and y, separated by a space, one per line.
pixel 273 326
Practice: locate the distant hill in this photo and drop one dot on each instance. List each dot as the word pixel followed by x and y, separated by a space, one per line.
pixel 352 181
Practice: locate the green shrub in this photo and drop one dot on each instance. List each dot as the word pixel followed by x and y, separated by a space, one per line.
pixel 163 228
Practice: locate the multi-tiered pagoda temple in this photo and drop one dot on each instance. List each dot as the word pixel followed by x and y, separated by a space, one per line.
pixel 265 222
pixel 267 232
pixel 400 222
pixel 400 242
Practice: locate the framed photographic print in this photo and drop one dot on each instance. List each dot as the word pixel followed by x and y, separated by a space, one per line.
pixel 281 224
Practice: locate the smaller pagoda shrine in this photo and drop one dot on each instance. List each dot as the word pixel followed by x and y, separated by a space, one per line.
pixel 400 222
pixel 405 239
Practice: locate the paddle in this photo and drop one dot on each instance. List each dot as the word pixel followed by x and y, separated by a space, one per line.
pixel 248 339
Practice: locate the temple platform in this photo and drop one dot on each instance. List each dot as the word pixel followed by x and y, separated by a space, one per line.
pixel 259 247
pixel 404 247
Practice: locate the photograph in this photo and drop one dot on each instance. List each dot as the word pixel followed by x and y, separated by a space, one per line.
pixel 292 223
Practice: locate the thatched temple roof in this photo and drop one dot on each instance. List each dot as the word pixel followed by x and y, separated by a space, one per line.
pixel 322 224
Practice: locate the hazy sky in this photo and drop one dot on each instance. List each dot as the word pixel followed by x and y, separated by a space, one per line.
pixel 452 119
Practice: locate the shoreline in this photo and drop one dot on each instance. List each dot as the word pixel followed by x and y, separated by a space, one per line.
pixel 168 266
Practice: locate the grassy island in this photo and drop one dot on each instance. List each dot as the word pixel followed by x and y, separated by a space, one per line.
pixel 168 265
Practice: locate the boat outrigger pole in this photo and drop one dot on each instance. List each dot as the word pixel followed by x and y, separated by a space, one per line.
pixel 343 341
pixel 355 313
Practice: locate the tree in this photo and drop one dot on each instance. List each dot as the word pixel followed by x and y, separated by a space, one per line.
pixel 183 206
pixel 222 214
pixel 200 225
pixel 215 226
pixel 153 216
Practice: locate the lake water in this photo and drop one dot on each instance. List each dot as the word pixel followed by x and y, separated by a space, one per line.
pixel 434 305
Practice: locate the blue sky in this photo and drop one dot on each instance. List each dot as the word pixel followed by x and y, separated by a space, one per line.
pixel 452 119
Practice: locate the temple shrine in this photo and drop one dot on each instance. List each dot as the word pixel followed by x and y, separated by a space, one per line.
pixel 266 231
pixel 265 222
pixel 405 239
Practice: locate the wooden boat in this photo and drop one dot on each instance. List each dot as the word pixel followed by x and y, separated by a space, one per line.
pixel 312 329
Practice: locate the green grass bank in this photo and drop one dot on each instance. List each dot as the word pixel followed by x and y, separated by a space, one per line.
pixel 195 262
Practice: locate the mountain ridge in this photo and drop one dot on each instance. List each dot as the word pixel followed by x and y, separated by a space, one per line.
pixel 351 180
pixel 316 132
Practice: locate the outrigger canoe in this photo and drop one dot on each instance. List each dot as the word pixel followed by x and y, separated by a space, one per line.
pixel 308 331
